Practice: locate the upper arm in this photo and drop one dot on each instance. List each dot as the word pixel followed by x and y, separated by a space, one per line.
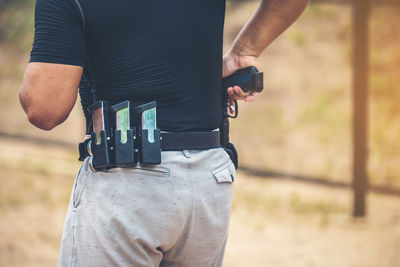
pixel 49 89
pixel 48 92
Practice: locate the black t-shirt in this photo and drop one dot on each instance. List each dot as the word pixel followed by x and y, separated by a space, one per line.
pixel 164 50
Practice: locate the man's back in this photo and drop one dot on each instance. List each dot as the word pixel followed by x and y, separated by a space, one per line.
pixel 168 51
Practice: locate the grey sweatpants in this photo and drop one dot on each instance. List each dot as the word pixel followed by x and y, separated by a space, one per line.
pixel 173 214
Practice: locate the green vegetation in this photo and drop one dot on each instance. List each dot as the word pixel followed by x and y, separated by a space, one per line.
pixel 16 24
pixel 297 37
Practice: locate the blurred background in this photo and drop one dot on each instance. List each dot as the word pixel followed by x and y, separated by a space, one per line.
pixel 293 202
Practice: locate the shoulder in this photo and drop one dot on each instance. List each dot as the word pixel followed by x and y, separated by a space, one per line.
pixel 54 7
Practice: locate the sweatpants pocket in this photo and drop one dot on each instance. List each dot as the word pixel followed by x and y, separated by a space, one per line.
pixel 225 174
pixel 79 187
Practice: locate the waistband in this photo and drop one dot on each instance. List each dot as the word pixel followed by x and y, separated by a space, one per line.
pixel 171 141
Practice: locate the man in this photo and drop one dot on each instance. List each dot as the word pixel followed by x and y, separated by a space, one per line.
pixel 172 214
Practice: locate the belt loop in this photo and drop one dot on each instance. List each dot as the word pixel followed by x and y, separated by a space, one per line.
pixel 186 153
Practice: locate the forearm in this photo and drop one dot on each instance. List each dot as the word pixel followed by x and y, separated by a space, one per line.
pixel 271 18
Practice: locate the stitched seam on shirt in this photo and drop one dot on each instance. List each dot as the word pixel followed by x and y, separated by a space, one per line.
pixel 81 12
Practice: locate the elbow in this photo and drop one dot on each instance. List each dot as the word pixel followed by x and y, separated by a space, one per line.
pixel 304 4
pixel 40 121
pixel 48 93
pixel 40 116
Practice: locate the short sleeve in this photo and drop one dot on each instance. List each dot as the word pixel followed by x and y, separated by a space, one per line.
pixel 59 33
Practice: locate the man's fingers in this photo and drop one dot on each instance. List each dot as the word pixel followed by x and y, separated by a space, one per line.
pixel 233 94
pixel 230 91
pixel 250 97
pixel 237 93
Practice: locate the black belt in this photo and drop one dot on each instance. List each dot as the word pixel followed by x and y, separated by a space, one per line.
pixel 175 142
pixel 189 141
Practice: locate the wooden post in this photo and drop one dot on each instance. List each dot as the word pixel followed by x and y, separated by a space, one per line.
pixel 360 104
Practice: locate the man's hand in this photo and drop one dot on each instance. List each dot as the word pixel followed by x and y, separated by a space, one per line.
pixel 271 18
pixel 232 63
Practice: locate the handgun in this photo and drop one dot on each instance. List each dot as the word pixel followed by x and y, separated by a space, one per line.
pixel 248 79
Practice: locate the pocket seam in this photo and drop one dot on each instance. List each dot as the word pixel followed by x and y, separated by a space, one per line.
pixel 227 166
pixel 223 166
pixel 160 172
pixel 77 195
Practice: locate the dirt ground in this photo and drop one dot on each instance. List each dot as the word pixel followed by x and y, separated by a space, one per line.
pixel 291 224
pixel 273 223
